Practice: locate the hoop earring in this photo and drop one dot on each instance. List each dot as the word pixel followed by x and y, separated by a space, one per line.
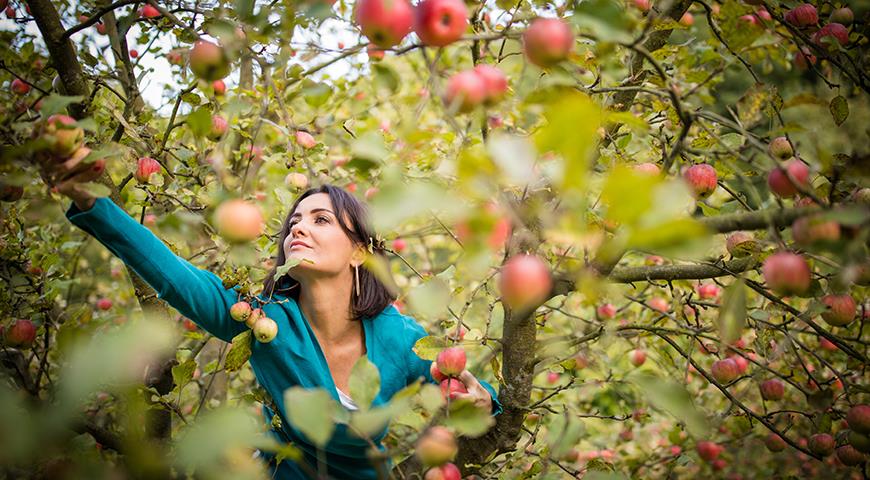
pixel 356 276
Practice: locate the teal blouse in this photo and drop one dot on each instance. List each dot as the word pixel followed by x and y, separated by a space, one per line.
pixel 293 358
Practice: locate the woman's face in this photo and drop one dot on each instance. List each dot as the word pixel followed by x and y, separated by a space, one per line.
pixel 316 236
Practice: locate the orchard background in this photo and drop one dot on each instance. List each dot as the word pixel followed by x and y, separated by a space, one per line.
pixel 702 307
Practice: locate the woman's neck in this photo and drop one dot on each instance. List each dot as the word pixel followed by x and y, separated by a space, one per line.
pixel 325 302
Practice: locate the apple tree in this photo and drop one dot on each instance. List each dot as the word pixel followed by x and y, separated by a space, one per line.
pixel 644 221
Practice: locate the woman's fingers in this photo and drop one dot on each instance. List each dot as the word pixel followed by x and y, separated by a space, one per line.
pixel 83 173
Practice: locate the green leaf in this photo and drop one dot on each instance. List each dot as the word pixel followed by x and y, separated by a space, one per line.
pixel 624 179
pixel 365 383
pixel 429 347
pixel 674 399
pixel 372 422
pixel 468 420
pixel 240 351
pixel 203 445
pixel 311 411
pixel 563 433
pixel 732 314
pixel 54 103
pixel 368 151
pixel 385 77
pixel 584 117
pixel 604 17
pixel 316 94
pixel 430 299
pixel 288 264
pixel 839 109
pixel 96 189
pixel 183 373
pixel 200 121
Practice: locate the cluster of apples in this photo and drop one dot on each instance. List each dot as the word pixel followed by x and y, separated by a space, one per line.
pixel 446 368
pixel 265 329
pixel 481 85
pixel 62 140
pixel 435 449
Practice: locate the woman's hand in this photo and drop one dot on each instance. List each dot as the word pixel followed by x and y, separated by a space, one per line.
pixel 478 395
pixel 66 176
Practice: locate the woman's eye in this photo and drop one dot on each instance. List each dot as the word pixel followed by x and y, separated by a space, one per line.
pixel 322 218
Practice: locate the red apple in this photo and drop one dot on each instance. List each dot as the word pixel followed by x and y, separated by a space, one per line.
pixel 803 58
pixel 725 371
pixel 305 140
pixel 850 456
pixel 659 304
pixel 19 87
pixel 643 5
pixel 525 281
pixel 648 168
pixel 826 344
pixel 763 15
pixel 62 135
pixel 774 443
pixel 740 244
pixel 209 61
pixel 811 229
pixel 296 181
pixel 637 357
pixel 448 471
pixel 709 451
pixel 742 364
pixel 436 446
pixel 439 23
pixel 265 330
pixel 841 310
pixel 465 91
pixel 149 11
pixel 219 87
pixel 239 221
pixel 749 19
pixel 701 179
pixel 134 53
pixel 21 334
pixel 146 167
pixel 821 444
pixel 831 34
pixel 708 291
pixel 787 273
pixel 843 16
pixel 399 245
pixel 780 148
pixel 858 418
pixel 240 311
pixel 219 127
pixel 253 317
pixel 175 57
pixel 375 53
pixel 803 15
pixel 548 41
pixel 687 19
pixel 552 378
pixel 104 304
pixel 494 81
pixel 384 22
pixel 451 361
pixel 436 374
pixel 451 386
pixel 772 389
pixel 606 311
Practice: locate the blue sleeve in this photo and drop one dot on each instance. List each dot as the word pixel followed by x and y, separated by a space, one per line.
pixel 197 294
pixel 419 367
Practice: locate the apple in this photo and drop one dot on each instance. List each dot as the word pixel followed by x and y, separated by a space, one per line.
pixel 101 28
pixel 10 12
pixel 436 374
pixel 219 87
pixel 439 23
pixel 811 229
pixel 787 273
pixel 687 19
pixel 772 389
pixel 725 371
pixel 843 16
pixel 708 451
pixel 19 87
pixel 648 168
pixel 219 127
pixel 830 34
pixel 238 221
pixel 296 181
pixel 240 311
pixel 149 11
pixel 21 334
pixel 742 363
pixel 774 443
pixel 370 193
pixel 351 187
pixel 62 135
pixel 150 220
pixel 451 386
pixel 451 361
pixel 552 378
pixel 780 148
pixel 850 456
pixel 740 244
pixel 525 281
pixel 826 344
pixel 146 167
pixel 134 53
pixel 399 245
pixel 494 81
pixel 859 441
pixel 606 311
pixel 254 153
pixel 253 317
pixel 821 444
pixel 637 357
pixel 209 61
pixel 701 179
pixel 651 260
pixel 763 15
pixel 803 15
pixel 104 304
pixel 448 471
pixel 858 418
pixel 375 54
pixel 643 5
pixel 305 140
pixel 265 329
pixel 384 22
pixel 465 91
pixel 548 41
pixel 436 446
pixel 458 333
pixel 803 58
pixel 708 291
pixel 175 57
pixel 659 304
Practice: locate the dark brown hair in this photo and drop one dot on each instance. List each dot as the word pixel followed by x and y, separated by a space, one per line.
pixel 352 216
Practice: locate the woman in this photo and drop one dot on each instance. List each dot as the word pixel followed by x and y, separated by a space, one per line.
pixel 329 309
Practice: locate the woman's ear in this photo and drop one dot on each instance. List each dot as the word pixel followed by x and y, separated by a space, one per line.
pixel 358 257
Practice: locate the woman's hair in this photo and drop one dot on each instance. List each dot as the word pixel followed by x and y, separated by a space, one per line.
pixel 374 296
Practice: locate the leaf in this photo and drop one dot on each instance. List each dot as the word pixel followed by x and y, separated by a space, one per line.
pixel 240 351
pixel 204 444
pixel 468 419
pixel 839 109
pixel 311 411
pixel 200 121
pixel 624 179
pixel 288 264
pixel 183 373
pixel 563 433
pixel 429 347
pixel 385 77
pixel 674 399
pixel 96 189
pixel 584 117
pixel 732 314
pixel 371 423
pixel 316 94
pixel 430 299
pixel 365 383
pixel 57 104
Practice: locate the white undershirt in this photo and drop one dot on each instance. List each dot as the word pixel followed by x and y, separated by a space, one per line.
pixel 346 400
